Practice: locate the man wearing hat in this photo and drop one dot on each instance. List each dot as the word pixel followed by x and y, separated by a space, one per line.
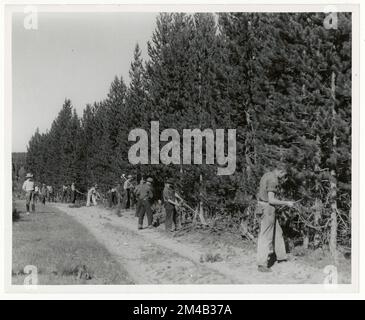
pixel 128 187
pixel 170 203
pixel 145 195
pixel 28 187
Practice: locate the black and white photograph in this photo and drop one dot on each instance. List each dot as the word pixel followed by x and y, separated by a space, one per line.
pixel 182 147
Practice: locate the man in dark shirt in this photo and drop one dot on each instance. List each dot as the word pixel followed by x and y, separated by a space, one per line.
pixel 119 193
pixel 137 190
pixel 73 193
pixel 269 227
pixel 145 195
pixel 64 193
pixel 170 203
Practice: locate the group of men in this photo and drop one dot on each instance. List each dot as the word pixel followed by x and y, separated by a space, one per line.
pixel 144 196
pixel 126 195
pixel 69 193
pixel 270 244
pixel 45 193
pixel 35 193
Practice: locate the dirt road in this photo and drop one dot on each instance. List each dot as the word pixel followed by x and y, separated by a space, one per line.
pixel 152 256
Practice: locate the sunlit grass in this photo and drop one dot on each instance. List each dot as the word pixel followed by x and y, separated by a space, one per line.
pixel 63 251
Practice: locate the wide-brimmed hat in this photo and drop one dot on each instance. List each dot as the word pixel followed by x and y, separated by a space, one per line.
pixel 29 175
pixel 149 179
pixel 130 176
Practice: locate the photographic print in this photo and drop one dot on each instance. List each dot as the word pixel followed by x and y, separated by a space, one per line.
pixel 201 147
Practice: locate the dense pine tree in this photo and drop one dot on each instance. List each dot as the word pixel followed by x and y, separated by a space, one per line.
pixel 282 80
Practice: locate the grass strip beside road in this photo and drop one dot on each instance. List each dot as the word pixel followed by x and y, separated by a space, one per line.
pixel 63 251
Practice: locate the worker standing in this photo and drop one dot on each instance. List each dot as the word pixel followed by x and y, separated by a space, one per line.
pixel 28 187
pixel 270 240
pixel 36 193
pixel 64 193
pixel 50 194
pixel 92 196
pixel 137 191
pixel 73 193
pixel 112 197
pixel 44 193
pixel 128 189
pixel 145 196
pixel 170 203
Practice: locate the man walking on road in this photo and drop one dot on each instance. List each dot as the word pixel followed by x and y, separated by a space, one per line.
pixel 270 240
pixel 28 187
pixel 145 196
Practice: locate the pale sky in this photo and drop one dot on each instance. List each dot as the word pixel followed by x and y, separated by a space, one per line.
pixel 71 55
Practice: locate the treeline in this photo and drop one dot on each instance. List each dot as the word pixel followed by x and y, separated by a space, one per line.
pixel 18 160
pixel 281 79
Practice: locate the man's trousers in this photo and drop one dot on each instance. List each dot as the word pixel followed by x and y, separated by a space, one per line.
pixel 29 197
pixel 269 228
pixel 171 221
pixel 138 207
pixel 127 199
pixel 145 209
pixel 73 197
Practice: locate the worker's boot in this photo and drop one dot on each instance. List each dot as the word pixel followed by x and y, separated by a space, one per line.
pixel 27 207
pixel 271 259
pixel 140 227
pixel 33 207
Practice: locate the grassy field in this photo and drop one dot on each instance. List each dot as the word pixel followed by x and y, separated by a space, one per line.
pixel 63 251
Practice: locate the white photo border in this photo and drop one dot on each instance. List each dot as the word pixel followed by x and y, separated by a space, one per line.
pixel 193 291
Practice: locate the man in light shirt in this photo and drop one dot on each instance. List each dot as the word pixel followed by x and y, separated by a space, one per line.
pixel 270 244
pixel 128 189
pixel 28 187
pixel 92 196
